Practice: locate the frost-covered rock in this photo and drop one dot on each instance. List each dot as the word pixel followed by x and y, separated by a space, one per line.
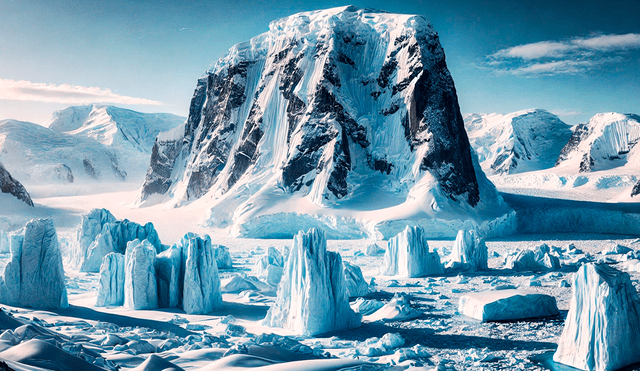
pixel 112 277
pixel 140 290
pixel 312 295
pixel 34 277
pixel 356 284
pixel 373 250
pixel 507 305
pixel 469 252
pixel 538 259
pixel 269 267
pixel 603 323
pixel 223 257
pixel 397 309
pixel 109 235
pixel 9 185
pixel 170 275
pixel 408 255
pixel 201 290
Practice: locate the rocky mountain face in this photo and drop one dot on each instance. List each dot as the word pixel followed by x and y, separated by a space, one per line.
pixel 606 141
pixel 312 108
pixel 517 142
pixel 9 185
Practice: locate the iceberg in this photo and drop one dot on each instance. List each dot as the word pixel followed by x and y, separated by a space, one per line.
pixel 90 227
pixel 469 252
pixel 111 289
pixel 538 259
pixel 269 267
pixel 34 277
pixel 312 295
pixel 356 284
pixel 373 250
pixel 140 290
pixel 201 288
pixel 169 277
pixel 408 255
pixel 507 305
pixel 603 323
pixel 397 309
pixel 223 258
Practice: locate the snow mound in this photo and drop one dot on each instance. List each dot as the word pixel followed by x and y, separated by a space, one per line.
pixel 140 288
pixel 40 353
pixel 356 284
pixel 34 277
pixel 408 255
pixel 603 323
pixel 270 266
pixel 507 305
pixel 157 363
pixel 469 252
pixel 112 278
pixel 223 257
pixel 312 295
pixel 397 309
pixel 517 142
pixel 9 185
pixel 202 292
pixel 540 258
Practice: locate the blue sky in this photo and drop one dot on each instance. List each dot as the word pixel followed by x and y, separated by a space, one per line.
pixel 574 58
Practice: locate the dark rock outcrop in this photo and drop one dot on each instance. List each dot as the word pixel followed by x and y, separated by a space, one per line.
pixel 10 185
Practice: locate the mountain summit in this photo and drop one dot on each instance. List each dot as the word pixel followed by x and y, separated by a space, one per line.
pixel 344 116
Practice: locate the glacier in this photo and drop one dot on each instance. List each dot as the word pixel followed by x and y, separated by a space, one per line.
pixel 34 277
pixel 344 119
pixel 112 281
pixel 507 305
pixel 602 326
pixel 312 295
pixel 140 287
pixel 408 255
pixel 201 288
pixel 469 252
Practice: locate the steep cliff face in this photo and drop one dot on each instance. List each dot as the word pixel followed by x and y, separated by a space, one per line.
pixel 325 106
pixel 9 185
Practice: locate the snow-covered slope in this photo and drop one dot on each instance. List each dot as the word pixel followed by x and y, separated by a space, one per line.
pixel 345 119
pixel 516 142
pixel 113 126
pixel 607 141
pixel 11 186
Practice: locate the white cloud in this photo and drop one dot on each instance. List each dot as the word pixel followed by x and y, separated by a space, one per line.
pixel 69 94
pixel 573 56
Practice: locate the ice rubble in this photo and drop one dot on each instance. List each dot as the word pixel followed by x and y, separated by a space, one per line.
pixel 312 295
pixel 603 323
pixel 34 277
pixel 140 290
pixel 223 257
pixel 356 284
pixel 112 277
pixel 408 255
pixel 540 258
pixel 507 305
pixel 469 252
pixel 397 309
pixel 201 289
pixel 269 267
pixel 101 233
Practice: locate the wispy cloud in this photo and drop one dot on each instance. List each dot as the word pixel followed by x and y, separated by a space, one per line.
pixel 69 94
pixel 573 56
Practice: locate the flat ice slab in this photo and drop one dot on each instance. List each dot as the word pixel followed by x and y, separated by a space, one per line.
pixel 603 323
pixel 507 305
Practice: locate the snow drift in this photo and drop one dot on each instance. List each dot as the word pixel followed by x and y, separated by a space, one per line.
pixel 34 277
pixel 345 119
pixel 602 326
pixel 312 295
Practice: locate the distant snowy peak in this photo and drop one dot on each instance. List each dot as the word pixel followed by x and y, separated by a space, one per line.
pixel 607 141
pixel 113 126
pixel 517 142
pixel 10 185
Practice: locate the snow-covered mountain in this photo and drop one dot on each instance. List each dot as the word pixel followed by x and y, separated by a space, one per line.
pixel 10 185
pixel 113 126
pixel 345 119
pixel 517 142
pixel 607 141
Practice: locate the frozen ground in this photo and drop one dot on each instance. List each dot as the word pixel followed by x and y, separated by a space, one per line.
pixel 439 336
